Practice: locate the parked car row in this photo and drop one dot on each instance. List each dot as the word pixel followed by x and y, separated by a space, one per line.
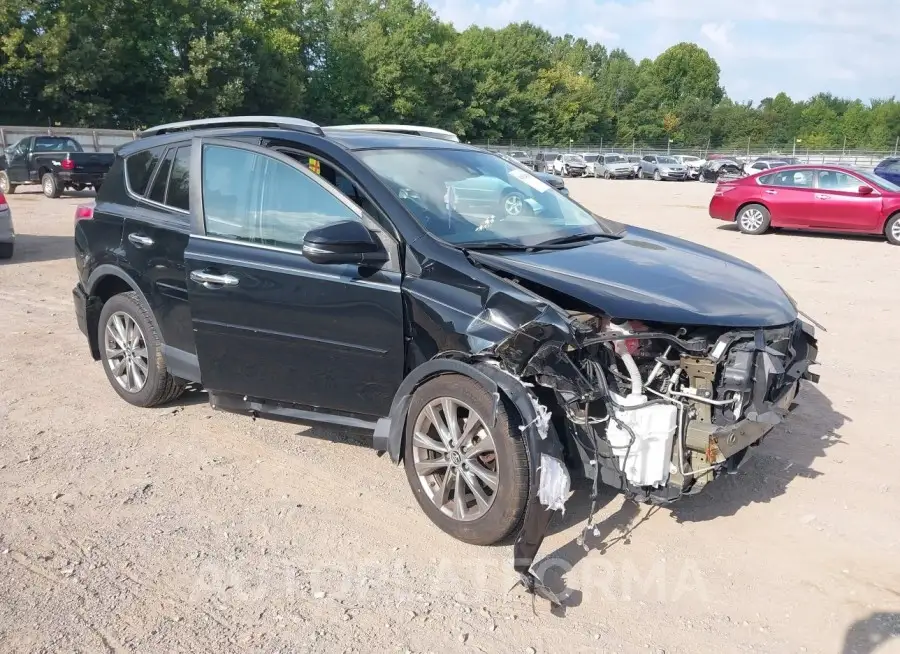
pixel 57 163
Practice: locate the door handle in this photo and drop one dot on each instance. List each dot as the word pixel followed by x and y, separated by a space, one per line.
pixel 140 240
pixel 210 280
pixel 771 192
pixel 822 196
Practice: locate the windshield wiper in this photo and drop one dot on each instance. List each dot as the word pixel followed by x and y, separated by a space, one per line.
pixel 494 245
pixel 573 238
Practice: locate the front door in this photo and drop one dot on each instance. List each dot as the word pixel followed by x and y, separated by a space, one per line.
pixel 840 205
pixel 272 324
pixel 17 163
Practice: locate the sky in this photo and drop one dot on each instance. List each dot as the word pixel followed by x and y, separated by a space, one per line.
pixel 801 47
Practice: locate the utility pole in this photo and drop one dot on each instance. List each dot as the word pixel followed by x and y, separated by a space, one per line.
pixel 896 143
pixel 844 148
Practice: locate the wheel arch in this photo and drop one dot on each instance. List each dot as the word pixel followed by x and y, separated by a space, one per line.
pixel 890 217
pixel 103 283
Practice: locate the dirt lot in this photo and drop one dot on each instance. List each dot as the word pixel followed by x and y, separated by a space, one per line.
pixel 184 529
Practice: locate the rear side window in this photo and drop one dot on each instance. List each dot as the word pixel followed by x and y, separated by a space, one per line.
pixel 795 178
pixel 139 167
pixel 179 181
pixel 158 190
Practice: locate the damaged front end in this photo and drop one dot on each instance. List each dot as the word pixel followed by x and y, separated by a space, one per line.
pixel 654 410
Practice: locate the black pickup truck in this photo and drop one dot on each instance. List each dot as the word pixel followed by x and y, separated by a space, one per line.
pixel 57 163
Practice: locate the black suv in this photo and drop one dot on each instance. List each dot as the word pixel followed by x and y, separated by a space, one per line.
pixel 495 336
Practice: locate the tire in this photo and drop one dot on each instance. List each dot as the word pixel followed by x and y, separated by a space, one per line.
pixel 657 176
pixel 606 175
pixel 639 174
pixel 514 203
pixel 892 229
pixel 50 185
pixel 6 250
pixel 509 462
pixel 159 386
pixel 6 187
pixel 565 171
pixel 754 219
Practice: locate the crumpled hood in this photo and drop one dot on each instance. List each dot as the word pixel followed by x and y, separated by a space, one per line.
pixel 654 277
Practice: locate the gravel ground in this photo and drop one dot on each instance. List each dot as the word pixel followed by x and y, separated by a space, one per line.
pixel 185 529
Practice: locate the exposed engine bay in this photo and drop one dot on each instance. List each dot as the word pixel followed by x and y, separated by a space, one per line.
pixel 654 411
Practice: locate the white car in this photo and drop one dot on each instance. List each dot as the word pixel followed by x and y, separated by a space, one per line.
pixel 569 165
pixel 693 164
pixel 7 233
pixel 592 159
pixel 759 166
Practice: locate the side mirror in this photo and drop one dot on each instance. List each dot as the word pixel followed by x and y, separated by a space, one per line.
pixel 864 190
pixel 343 242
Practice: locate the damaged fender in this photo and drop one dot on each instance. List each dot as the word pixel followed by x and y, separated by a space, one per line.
pixel 541 444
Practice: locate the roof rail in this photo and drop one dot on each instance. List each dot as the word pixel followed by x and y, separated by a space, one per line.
pixel 416 130
pixel 283 122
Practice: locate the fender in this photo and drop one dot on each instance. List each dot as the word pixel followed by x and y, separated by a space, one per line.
pixel 389 434
pixel 107 269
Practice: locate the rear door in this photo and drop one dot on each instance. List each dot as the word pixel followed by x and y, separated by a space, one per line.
pixel 840 205
pixel 157 230
pixel 278 326
pixel 790 198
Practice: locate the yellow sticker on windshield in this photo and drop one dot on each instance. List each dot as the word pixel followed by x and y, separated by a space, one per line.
pixel 315 166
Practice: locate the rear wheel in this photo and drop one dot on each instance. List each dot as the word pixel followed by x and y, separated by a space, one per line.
pixel 50 185
pixel 6 186
pixel 753 219
pixel 131 351
pixel 468 472
pixel 892 229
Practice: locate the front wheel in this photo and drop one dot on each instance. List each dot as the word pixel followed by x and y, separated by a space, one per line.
pixel 754 219
pixel 50 185
pixel 892 229
pixel 606 175
pixel 657 176
pixel 131 351
pixel 465 460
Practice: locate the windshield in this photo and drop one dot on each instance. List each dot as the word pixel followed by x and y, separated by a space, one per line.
pixel 573 158
pixel 666 160
pixel 686 159
pixel 518 154
pixel 614 158
pixel 590 158
pixel 878 181
pixel 470 197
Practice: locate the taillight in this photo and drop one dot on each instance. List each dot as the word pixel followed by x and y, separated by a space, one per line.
pixel 722 189
pixel 84 212
pixel 3 205
pixel 67 164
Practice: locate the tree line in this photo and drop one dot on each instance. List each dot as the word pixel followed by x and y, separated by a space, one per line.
pixel 133 63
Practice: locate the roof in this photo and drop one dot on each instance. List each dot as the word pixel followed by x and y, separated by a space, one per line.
pixel 366 140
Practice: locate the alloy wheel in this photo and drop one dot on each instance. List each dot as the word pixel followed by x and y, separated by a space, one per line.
pixel 895 230
pixel 513 205
pixel 751 219
pixel 48 186
pixel 126 352
pixel 4 183
pixel 455 459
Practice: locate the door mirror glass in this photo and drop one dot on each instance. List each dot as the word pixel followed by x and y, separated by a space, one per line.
pixel 864 190
pixel 346 241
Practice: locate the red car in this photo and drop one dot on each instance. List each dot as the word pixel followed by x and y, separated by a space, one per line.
pixel 821 198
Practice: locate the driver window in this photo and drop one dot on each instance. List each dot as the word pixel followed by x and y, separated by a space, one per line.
pixel 257 199
pixel 833 180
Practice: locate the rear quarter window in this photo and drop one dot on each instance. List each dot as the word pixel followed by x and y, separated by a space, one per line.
pixel 139 168
pixel 766 180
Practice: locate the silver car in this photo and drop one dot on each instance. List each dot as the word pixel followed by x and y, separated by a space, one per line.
pixel 661 166
pixel 614 166
pixel 7 233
